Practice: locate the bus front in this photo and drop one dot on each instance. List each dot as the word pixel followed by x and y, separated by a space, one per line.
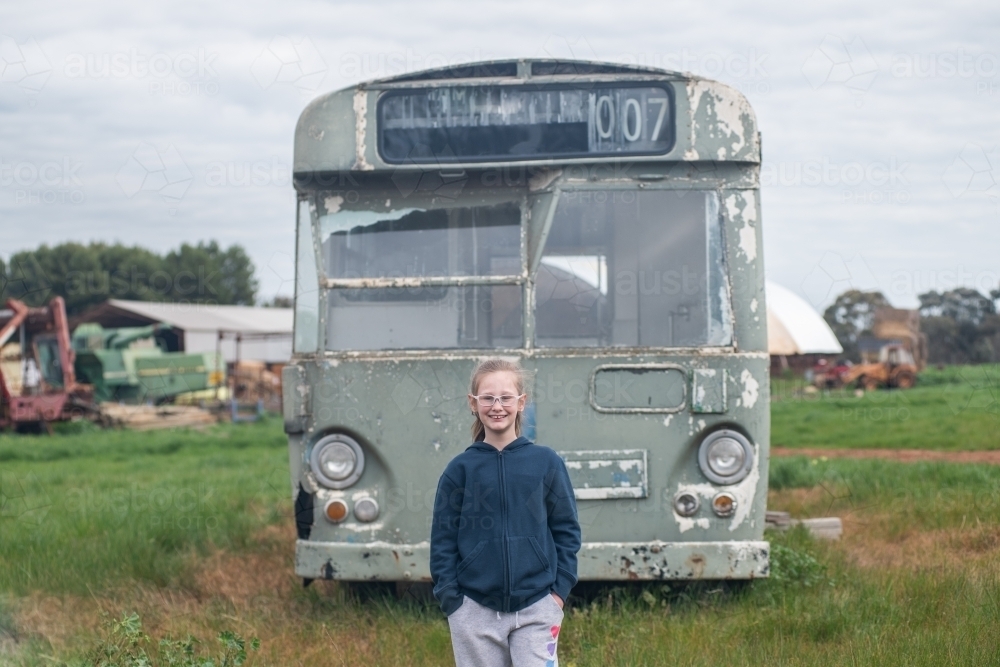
pixel 599 223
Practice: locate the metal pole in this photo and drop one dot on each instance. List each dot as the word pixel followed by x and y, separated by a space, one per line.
pixel 218 359
pixel 24 357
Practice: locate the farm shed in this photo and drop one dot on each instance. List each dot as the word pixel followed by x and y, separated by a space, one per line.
pixel 238 332
pixel 797 336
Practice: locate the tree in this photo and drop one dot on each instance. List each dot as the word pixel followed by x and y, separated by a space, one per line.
pixel 27 277
pixel 852 316
pixel 963 304
pixel 281 301
pixel 961 326
pixel 86 275
pixel 207 274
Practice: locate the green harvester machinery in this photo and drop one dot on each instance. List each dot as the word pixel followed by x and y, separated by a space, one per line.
pixel 130 365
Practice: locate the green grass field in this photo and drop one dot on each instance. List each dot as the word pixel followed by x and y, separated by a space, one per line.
pixel 957 408
pixel 191 530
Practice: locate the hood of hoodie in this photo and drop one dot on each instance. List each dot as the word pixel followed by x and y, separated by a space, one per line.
pixel 481 446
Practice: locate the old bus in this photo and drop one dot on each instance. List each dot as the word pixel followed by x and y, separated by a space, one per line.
pixel 601 224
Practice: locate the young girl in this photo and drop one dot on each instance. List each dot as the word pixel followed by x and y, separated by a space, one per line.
pixel 505 533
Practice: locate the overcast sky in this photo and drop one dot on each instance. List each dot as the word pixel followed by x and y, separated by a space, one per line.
pixel 880 123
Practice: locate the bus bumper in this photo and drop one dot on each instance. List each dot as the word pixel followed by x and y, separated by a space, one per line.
pixel 598 561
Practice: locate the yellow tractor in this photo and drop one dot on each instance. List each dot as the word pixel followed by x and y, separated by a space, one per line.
pixel 895 368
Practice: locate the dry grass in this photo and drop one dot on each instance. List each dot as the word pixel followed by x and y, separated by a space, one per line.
pixel 873 538
pixel 255 594
pixel 220 586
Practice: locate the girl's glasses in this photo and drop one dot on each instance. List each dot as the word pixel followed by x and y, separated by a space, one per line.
pixel 487 401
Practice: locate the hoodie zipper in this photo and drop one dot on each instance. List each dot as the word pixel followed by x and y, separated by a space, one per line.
pixel 506 539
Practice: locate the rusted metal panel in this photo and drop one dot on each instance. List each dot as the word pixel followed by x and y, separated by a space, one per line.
pixel 672 560
pixel 411 414
pixel 607 474
pixel 708 390
pixel 47 407
pixel 714 123
pixel 598 561
pixel 67 357
pixel 18 314
pixel 425 281
pixel 294 395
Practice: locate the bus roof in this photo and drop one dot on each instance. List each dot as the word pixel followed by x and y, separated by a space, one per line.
pixel 337 132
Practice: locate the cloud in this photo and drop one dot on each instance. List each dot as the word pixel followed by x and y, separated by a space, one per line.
pixel 803 73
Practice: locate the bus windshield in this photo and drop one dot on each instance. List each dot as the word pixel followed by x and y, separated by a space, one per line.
pixel 618 268
pixel 633 268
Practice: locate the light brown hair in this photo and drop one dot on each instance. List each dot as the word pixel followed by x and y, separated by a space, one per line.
pixel 493 366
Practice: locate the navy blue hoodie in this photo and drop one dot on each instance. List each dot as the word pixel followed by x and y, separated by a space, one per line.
pixel 505 529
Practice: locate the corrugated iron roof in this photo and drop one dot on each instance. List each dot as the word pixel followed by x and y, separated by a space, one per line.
pixel 201 317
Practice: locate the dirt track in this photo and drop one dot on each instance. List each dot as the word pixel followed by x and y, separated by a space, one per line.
pixel 991 457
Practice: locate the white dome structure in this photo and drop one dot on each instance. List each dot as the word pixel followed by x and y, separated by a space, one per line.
pixel 793 327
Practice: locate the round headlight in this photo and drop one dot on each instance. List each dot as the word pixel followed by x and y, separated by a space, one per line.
pixel 366 509
pixel 337 461
pixel 725 456
pixel 686 504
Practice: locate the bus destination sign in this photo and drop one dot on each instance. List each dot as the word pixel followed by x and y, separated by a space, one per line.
pixel 498 123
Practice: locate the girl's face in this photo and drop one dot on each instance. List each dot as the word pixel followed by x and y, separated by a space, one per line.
pixel 498 419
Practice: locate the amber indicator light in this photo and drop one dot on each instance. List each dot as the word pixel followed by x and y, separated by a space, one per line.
pixel 723 504
pixel 336 511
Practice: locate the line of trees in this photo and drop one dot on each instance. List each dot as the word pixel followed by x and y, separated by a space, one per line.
pixel 86 275
pixel 962 325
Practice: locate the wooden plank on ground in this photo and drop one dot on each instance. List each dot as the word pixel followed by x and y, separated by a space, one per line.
pixel 150 417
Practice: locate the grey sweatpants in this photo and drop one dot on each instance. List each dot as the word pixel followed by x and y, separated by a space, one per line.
pixel 482 637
